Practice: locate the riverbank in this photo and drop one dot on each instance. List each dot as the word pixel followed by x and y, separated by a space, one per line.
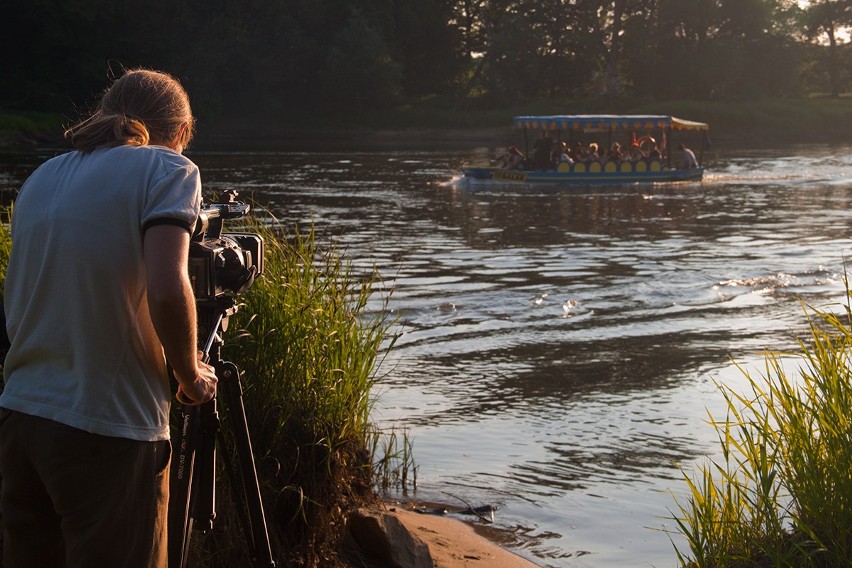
pixel 764 121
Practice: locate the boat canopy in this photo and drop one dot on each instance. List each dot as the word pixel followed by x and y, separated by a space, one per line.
pixel 603 122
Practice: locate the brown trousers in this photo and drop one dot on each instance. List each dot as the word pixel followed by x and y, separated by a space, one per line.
pixel 79 500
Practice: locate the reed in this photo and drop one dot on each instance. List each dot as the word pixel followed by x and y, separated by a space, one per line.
pixel 392 456
pixel 309 337
pixel 781 494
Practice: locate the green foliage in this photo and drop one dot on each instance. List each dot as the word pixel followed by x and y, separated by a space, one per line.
pixel 782 493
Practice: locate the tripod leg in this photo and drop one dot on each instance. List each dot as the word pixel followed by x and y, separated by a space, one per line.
pixel 231 389
pixel 192 499
pixel 181 488
pixel 203 510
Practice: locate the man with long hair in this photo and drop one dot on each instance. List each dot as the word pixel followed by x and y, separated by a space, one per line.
pixel 98 299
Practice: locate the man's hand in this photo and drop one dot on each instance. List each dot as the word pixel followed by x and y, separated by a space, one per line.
pixel 201 389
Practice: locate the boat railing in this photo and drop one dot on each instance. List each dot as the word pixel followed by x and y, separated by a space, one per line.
pixel 607 166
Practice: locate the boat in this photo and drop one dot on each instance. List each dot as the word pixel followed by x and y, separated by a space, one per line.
pixel 637 149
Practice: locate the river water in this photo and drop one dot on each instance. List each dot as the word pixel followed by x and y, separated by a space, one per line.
pixel 559 346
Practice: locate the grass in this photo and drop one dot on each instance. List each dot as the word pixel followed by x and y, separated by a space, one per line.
pixel 25 125
pixel 781 495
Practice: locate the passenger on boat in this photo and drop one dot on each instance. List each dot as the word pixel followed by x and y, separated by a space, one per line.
pixel 635 154
pixel 504 160
pixel 592 154
pixel 615 153
pixel 556 152
pixel 654 152
pixel 512 159
pixel 541 152
pixel 563 155
pixel 687 157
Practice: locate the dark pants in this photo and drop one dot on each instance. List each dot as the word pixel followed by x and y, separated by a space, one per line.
pixel 75 499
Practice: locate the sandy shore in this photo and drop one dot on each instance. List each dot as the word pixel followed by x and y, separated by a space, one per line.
pixel 454 544
pixel 401 537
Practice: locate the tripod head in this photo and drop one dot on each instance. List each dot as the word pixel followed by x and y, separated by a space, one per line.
pixel 213 315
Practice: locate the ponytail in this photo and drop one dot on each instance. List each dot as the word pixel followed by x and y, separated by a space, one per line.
pixel 107 130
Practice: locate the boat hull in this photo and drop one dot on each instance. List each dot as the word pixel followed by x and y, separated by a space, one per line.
pixel 586 174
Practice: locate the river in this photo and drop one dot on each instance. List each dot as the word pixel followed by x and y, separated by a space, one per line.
pixel 559 347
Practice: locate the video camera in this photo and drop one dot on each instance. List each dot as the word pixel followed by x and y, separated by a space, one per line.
pixel 222 264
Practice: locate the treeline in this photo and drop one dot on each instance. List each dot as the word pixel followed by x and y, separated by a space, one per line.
pixel 302 57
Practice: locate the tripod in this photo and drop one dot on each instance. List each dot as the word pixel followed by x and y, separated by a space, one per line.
pixel 192 503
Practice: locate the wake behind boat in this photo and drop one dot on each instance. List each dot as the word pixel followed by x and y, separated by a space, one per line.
pixel 598 149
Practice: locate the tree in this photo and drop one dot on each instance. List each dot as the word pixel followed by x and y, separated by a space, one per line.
pixel 758 60
pixel 826 18
pixel 612 78
pixel 360 72
pixel 537 48
pixel 428 46
pixel 511 58
pixel 644 66
pixel 57 54
pixel 683 35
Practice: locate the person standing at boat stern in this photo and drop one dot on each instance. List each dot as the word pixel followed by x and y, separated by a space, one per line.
pixel 541 152
pixel 687 157
pixel 97 299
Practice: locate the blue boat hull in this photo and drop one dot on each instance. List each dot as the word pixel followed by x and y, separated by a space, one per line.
pixel 626 173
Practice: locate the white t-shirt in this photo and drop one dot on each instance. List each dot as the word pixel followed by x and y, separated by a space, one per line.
pixel 84 351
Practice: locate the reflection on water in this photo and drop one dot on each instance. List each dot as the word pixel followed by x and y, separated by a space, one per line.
pixel 558 345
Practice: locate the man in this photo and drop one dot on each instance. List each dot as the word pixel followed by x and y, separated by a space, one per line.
pixel 97 299
pixel 541 152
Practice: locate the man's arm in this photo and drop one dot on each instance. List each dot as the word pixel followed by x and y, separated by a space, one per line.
pixel 172 306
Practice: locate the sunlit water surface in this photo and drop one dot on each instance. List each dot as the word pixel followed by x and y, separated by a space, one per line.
pixel 558 346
